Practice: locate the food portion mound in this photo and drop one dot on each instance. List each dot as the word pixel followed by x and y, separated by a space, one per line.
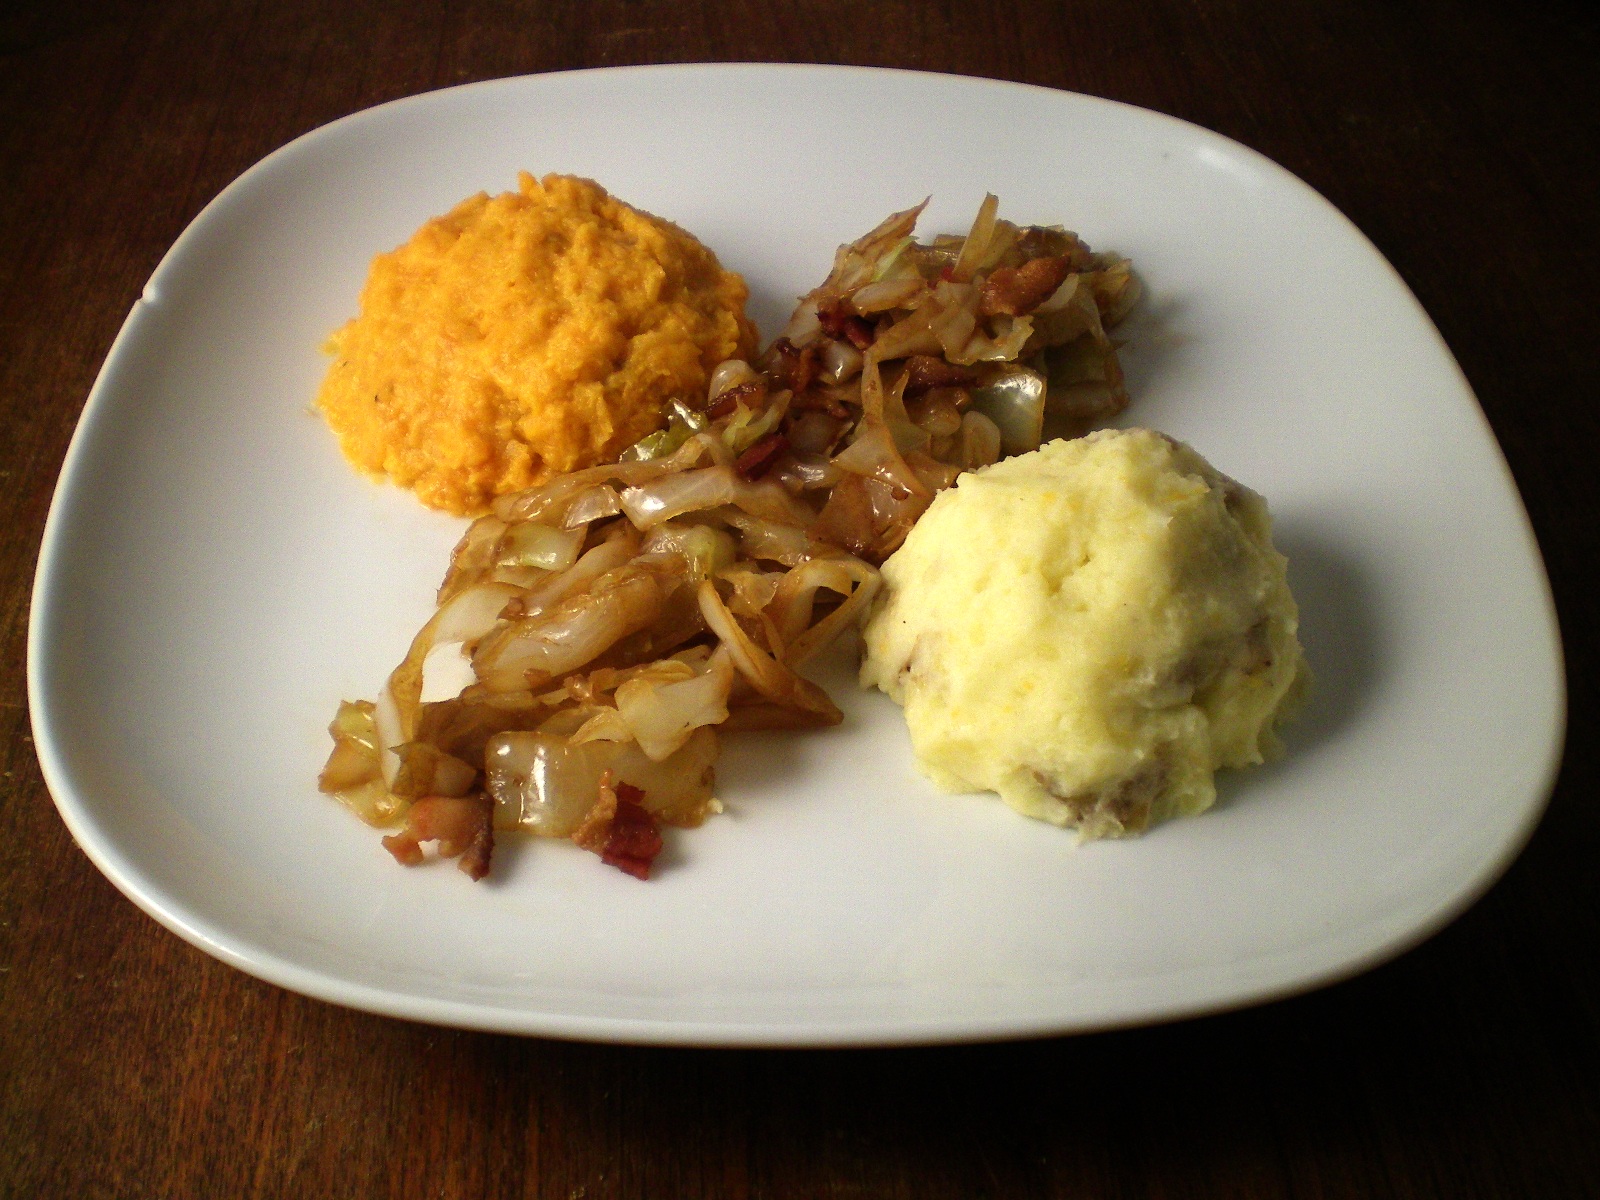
pixel 526 335
pixel 1090 630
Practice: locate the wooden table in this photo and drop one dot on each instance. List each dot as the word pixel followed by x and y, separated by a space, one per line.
pixel 1462 138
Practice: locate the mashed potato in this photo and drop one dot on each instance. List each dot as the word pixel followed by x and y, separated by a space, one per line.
pixel 1090 630
pixel 525 335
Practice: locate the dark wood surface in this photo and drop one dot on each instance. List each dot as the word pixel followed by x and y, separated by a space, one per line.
pixel 1463 138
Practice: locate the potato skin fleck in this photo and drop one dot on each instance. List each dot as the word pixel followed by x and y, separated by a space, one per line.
pixel 524 335
pixel 1090 630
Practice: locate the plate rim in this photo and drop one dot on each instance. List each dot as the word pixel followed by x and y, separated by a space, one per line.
pixel 273 968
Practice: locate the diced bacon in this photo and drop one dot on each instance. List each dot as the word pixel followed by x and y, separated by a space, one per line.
pixel 635 838
pixel 838 321
pixel 621 830
pixel 595 830
pixel 755 462
pixel 750 394
pixel 819 401
pixel 793 367
pixel 1017 291
pixel 462 825
pixel 924 372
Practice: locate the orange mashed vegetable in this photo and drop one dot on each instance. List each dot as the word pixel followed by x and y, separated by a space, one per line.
pixel 525 335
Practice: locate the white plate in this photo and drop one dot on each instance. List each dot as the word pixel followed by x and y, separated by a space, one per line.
pixel 214 578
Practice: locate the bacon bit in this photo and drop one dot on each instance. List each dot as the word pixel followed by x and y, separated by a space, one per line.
pixel 860 333
pixel 947 273
pixel 834 316
pixel 750 394
pixel 462 825
pixel 635 837
pixel 405 847
pixel 1016 291
pixel 924 372
pixel 1046 243
pixel 820 402
pixel 758 459
pixel 794 368
pixel 838 321
pixel 595 830
pixel 620 829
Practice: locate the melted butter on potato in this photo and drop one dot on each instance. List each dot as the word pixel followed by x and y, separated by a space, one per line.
pixel 525 335
pixel 1090 630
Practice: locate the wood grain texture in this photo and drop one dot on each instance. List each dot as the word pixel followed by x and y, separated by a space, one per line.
pixel 1464 139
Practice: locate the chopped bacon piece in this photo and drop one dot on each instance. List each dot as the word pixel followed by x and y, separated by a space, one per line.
pixel 755 462
pixel 1039 242
pixel 835 315
pixel 750 394
pixel 925 372
pixel 793 367
pixel 621 830
pixel 462 825
pixel 405 847
pixel 595 830
pixel 820 401
pixel 838 321
pixel 1016 291
pixel 635 838
pixel 476 857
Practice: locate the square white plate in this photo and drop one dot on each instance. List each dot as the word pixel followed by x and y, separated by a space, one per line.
pixel 214 579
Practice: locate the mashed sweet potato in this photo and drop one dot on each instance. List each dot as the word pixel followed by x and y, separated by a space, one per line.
pixel 525 335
